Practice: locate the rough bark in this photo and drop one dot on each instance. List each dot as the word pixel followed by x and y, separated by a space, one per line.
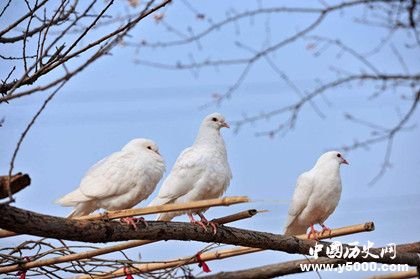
pixel 27 222
pixel 272 270
pixel 18 182
pixel 292 267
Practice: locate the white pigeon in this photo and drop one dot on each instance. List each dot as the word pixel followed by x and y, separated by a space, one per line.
pixel 316 195
pixel 119 181
pixel 201 172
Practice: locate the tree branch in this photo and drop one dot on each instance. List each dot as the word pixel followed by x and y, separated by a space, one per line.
pixel 290 267
pixel 18 182
pixel 22 221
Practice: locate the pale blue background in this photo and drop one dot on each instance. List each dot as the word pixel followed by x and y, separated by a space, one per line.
pixel 115 100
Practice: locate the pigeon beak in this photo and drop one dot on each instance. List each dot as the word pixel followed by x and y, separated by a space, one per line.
pixel 345 162
pixel 224 124
pixel 157 152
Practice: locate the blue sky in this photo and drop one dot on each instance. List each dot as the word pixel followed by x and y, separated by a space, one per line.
pixel 116 100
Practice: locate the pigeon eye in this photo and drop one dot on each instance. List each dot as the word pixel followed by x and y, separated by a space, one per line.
pixel 214 119
pixel 149 147
pixel 339 155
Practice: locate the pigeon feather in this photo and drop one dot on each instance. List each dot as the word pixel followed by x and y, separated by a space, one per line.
pixel 316 195
pixel 200 172
pixel 119 181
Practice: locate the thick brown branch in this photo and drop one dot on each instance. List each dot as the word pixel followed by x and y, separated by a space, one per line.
pixel 18 182
pixel 292 267
pixel 272 270
pixel 110 249
pixel 286 268
pixel 22 221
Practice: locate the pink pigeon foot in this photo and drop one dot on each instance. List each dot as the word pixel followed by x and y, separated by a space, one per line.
pixel 133 221
pixel 325 229
pixel 313 232
pixel 207 222
pixel 193 221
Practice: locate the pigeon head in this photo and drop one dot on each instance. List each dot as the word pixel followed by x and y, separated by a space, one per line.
pixel 333 156
pixel 142 145
pixel 215 121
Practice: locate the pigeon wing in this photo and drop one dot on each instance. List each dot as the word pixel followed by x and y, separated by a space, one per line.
pixel 187 171
pixel 303 190
pixel 109 177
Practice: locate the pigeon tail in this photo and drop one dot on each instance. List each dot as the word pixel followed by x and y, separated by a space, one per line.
pixel 159 201
pixel 165 217
pixel 295 229
pixel 82 209
pixel 72 198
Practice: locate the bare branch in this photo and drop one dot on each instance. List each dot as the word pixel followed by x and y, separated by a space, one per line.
pixel 22 137
pixel 287 268
pixel 18 182
pixel 22 221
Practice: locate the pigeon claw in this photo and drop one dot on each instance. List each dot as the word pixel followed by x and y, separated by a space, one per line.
pixel 208 223
pixel 133 221
pixel 204 223
pixel 201 224
pixel 313 232
pixel 214 226
pixel 141 219
pixel 325 229
pixel 193 221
